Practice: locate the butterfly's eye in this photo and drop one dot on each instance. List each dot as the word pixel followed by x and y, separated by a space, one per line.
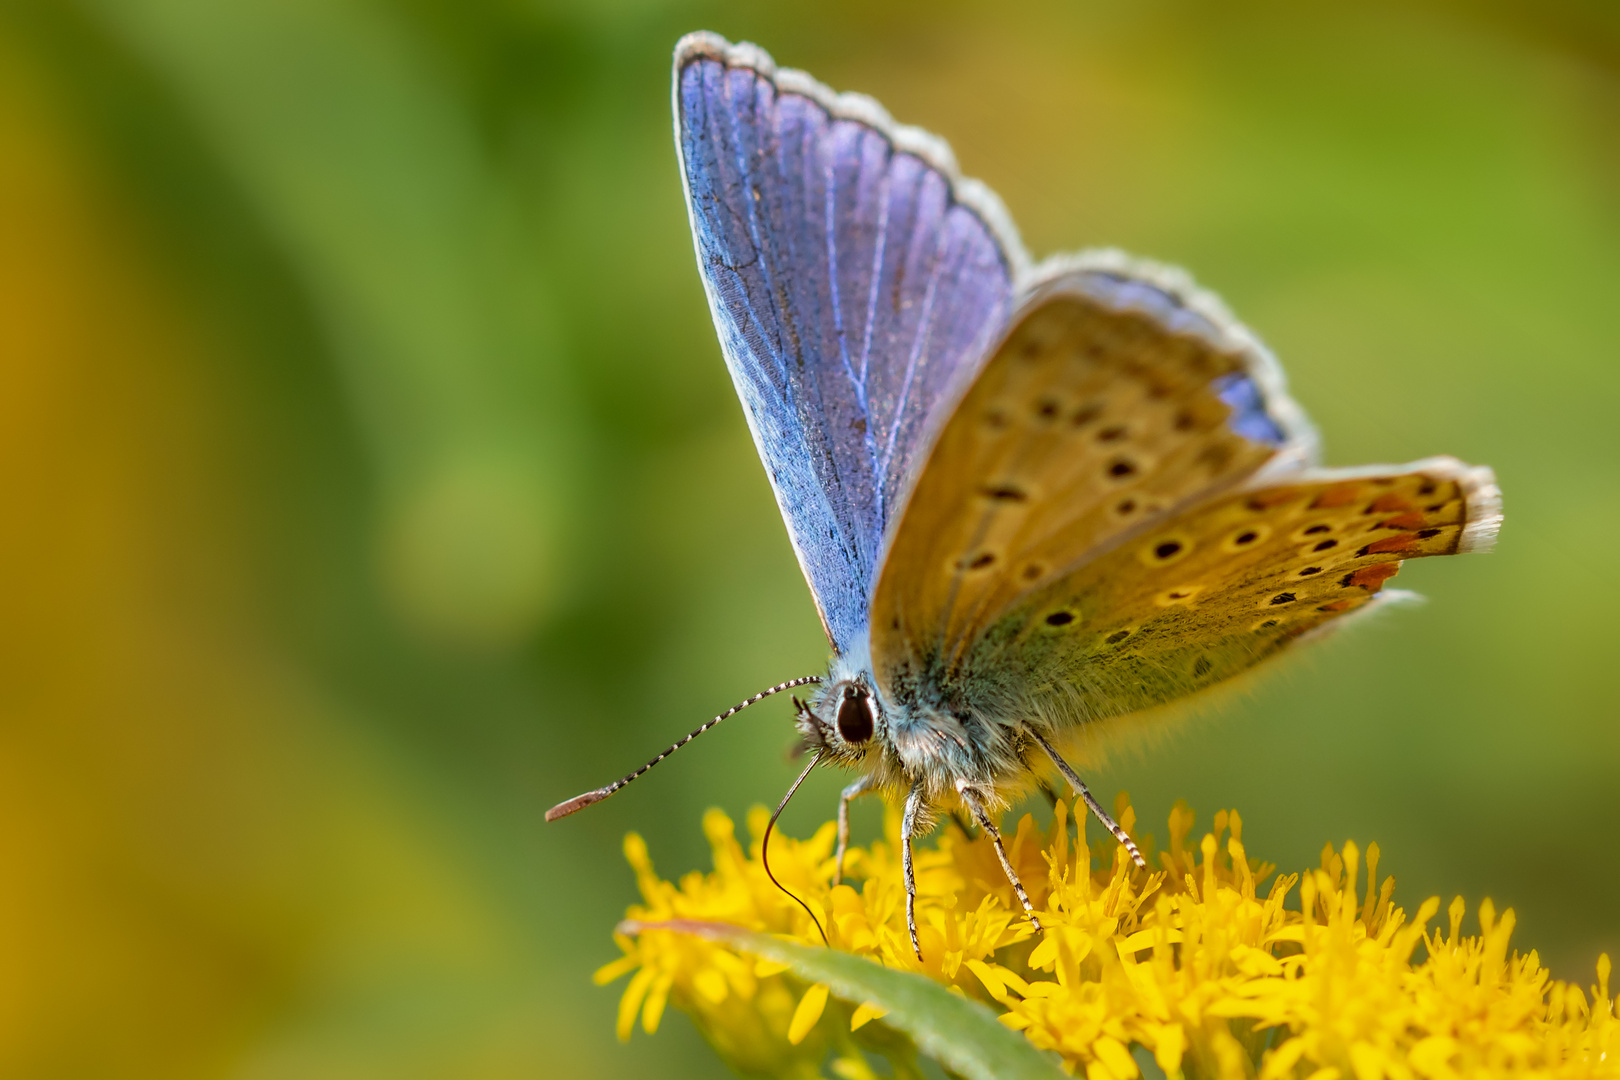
pixel 855 715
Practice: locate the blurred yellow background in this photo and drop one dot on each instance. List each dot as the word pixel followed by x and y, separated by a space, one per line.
pixel 371 480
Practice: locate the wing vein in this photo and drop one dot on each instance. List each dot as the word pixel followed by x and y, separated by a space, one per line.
pixel 830 179
pixel 878 249
pixel 782 387
pixel 925 325
pixel 755 236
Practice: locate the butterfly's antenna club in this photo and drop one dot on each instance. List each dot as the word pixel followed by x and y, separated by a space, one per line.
pixel 765 849
pixel 580 802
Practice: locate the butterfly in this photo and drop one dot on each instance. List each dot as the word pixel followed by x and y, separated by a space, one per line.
pixel 1029 500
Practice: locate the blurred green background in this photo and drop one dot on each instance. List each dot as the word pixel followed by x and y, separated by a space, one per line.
pixel 372 480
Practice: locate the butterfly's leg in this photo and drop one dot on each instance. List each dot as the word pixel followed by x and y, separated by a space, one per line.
pixel 976 804
pixel 859 787
pixel 908 825
pixel 1091 802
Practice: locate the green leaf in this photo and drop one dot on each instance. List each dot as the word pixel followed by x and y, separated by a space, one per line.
pixel 961 1034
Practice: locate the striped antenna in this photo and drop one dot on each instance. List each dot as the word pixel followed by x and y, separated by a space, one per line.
pixel 580 802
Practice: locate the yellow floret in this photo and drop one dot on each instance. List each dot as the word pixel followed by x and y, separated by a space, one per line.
pixel 1194 962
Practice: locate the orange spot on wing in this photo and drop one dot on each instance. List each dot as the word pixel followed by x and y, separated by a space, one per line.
pixel 1390 502
pixel 1265 500
pixel 1337 605
pixel 1372 578
pixel 1342 495
pixel 1414 520
pixel 1403 542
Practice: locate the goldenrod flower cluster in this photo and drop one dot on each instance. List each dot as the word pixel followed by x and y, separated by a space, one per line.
pixel 1194 963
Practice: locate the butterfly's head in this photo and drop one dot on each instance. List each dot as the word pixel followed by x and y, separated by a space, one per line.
pixel 842 722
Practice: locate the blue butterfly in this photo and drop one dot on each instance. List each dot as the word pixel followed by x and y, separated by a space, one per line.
pixel 1030 500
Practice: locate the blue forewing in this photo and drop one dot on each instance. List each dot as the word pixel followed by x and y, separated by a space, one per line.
pixel 853 278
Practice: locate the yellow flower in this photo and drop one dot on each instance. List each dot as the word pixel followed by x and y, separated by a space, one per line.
pixel 1195 962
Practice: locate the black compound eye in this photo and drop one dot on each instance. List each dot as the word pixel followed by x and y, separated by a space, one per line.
pixel 855 715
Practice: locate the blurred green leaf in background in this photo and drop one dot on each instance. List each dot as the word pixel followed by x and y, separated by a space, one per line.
pixel 372 479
